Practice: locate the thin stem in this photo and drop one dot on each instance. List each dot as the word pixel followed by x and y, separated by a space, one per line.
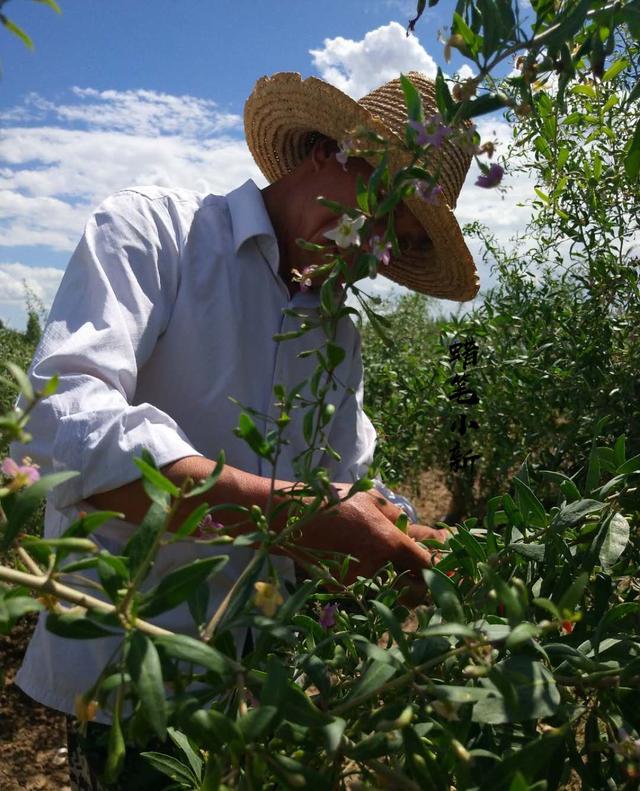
pixel 39 582
pixel 210 628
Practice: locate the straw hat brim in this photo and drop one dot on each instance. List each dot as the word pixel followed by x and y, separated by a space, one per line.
pixel 278 117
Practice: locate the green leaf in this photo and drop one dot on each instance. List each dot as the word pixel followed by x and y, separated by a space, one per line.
pixel 76 627
pixel 412 99
pixel 523 633
pixel 445 103
pixel 528 759
pixel 543 196
pixel 530 507
pixel 143 664
pixel 52 4
pixel 85 525
pixel 450 630
pixel 631 465
pixel 481 105
pixel 374 677
pixel 615 541
pixel 473 547
pixel 532 693
pixel 445 594
pixel 392 624
pixel 632 158
pixel 328 299
pixel 155 478
pixel 213 730
pixel 530 551
pixel 335 355
pixel 584 90
pixel 178 584
pixel 519 783
pixel 293 604
pixel 191 522
pixel 362 194
pixel 248 431
pixel 116 749
pixel 568 25
pixel 492 26
pixel 142 540
pixel 19 32
pixel 472 41
pixel 574 513
pixel 68 544
pixel 180 646
pixel 209 482
pixel 572 596
pixel 172 768
pixel 615 69
pixel 14 607
pixel 21 506
pixel 333 732
pixel 292 703
pixel 255 723
pixel 23 382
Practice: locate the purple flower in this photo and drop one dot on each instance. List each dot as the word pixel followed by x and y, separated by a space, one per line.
pixel 327 616
pixel 208 527
pixel 381 249
pixel 432 133
pixel 21 475
pixel 306 281
pixel 430 193
pixel 491 176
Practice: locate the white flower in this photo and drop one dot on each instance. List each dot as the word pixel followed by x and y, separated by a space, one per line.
pixel 346 233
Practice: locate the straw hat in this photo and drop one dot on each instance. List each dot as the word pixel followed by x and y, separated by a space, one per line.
pixel 284 110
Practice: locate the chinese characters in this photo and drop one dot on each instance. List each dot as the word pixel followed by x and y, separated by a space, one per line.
pixel 462 356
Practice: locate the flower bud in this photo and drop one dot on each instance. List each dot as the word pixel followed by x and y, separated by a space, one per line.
pixel 475 671
pixel 460 751
pixel 85 710
pixel 457 42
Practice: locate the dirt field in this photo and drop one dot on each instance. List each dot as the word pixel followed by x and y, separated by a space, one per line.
pixel 33 738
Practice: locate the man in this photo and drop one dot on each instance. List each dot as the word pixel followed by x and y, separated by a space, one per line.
pixel 169 306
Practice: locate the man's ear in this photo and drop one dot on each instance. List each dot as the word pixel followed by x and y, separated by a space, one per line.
pixel 322 153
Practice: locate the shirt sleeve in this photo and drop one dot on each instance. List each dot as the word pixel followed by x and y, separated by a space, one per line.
pixel 352 433
pixel 114 301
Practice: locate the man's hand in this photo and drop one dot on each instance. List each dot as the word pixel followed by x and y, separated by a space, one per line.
pixel 359 527
pixel 415 531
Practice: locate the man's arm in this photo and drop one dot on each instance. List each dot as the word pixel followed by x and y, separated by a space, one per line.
pixel 356 526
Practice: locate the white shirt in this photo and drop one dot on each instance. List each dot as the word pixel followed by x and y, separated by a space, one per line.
pixel 168 306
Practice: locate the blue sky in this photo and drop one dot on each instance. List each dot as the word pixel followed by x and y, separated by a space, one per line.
pixel 119 92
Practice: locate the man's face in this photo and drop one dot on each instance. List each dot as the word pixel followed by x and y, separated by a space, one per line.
pixel 328 178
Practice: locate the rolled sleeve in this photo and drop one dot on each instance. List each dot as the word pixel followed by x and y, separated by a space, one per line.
pixel 113 304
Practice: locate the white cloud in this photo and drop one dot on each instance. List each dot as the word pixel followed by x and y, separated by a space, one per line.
pixel 60 160
pixel 137 112
pixel 53 173
pixel 42 281
pixel 356 67
pixel 465 72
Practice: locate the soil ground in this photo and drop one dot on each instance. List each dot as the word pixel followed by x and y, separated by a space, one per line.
pixel 33 738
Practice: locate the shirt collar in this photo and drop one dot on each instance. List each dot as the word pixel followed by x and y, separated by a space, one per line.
pixel 249 220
